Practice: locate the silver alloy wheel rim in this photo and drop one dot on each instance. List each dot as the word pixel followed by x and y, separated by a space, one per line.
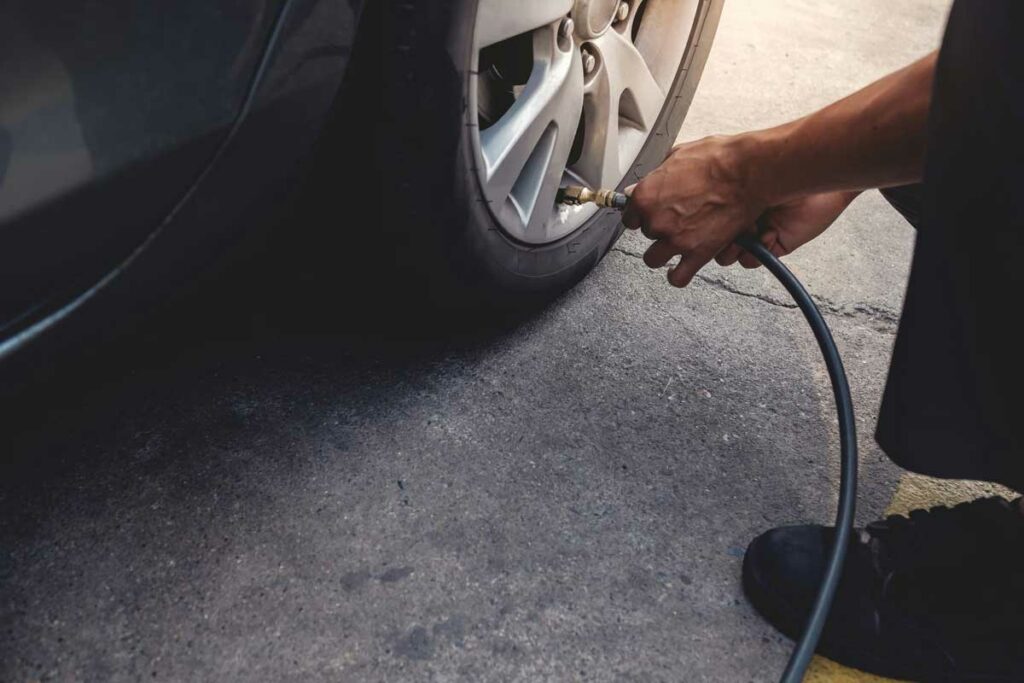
pixel 523 156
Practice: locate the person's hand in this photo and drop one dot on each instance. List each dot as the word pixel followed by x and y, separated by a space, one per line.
pixel 704 196
pixel 793 224
pixel 695 204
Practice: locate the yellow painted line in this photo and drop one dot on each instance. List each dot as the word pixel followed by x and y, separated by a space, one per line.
pixel 822 670
pixel 917 491
pixel 913 492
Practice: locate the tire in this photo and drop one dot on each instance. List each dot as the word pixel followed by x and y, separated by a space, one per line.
pixel 433 208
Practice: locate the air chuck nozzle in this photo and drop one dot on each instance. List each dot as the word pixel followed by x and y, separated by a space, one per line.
pixel 574 195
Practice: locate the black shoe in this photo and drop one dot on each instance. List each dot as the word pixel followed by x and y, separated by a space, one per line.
pixel 938 596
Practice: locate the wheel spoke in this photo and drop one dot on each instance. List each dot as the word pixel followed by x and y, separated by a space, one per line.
pixel 599 160
pixel 526 150
pixel 497 20
pixel 622 103
pixel 628 72
pixel 663 36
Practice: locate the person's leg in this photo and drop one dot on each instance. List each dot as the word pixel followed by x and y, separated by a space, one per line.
pixel 939 594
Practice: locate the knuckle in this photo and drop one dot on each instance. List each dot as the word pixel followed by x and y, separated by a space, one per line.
pixel 678 149
pixel 686 243
pixel 642 194
pixel 657 229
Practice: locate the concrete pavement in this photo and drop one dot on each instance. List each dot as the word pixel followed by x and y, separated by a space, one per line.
pixel 567 500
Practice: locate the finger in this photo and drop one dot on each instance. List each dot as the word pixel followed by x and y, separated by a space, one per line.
pixel 767 237
pixel 636 212
pixel 660 224
pixel 659 253
pixel 772 242
pixel 649 232
pixel 688 265
pixel 729 255
pixel 748 260
pixel 632 216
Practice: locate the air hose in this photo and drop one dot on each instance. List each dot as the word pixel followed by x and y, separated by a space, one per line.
pixel 804 650
pixel 805 646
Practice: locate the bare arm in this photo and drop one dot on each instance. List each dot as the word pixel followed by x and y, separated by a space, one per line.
pixel 708 192
pixel 873 138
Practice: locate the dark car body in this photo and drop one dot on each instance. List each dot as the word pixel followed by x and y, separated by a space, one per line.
pixel 133 135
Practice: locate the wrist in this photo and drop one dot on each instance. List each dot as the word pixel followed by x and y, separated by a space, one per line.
pixel 762 158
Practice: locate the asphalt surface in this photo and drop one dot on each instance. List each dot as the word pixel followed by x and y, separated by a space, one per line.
pixel 565 498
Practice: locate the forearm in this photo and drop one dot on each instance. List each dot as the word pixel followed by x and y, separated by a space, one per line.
pixel 873 138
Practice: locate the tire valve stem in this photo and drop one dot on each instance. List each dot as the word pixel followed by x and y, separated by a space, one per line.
pixel 575 195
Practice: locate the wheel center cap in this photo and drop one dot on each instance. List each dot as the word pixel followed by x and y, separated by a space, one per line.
pixel 593 17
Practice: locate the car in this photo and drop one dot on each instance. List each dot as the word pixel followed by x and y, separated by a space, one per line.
pixel 134 136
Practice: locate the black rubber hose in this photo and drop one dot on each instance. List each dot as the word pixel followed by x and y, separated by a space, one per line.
pixel 804 649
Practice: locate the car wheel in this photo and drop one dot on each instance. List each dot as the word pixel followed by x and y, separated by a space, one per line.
pixel 487 107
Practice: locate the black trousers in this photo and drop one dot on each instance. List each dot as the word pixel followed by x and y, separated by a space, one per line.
pixel 952 402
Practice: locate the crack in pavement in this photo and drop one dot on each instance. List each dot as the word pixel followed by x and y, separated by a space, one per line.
pixel 881 319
